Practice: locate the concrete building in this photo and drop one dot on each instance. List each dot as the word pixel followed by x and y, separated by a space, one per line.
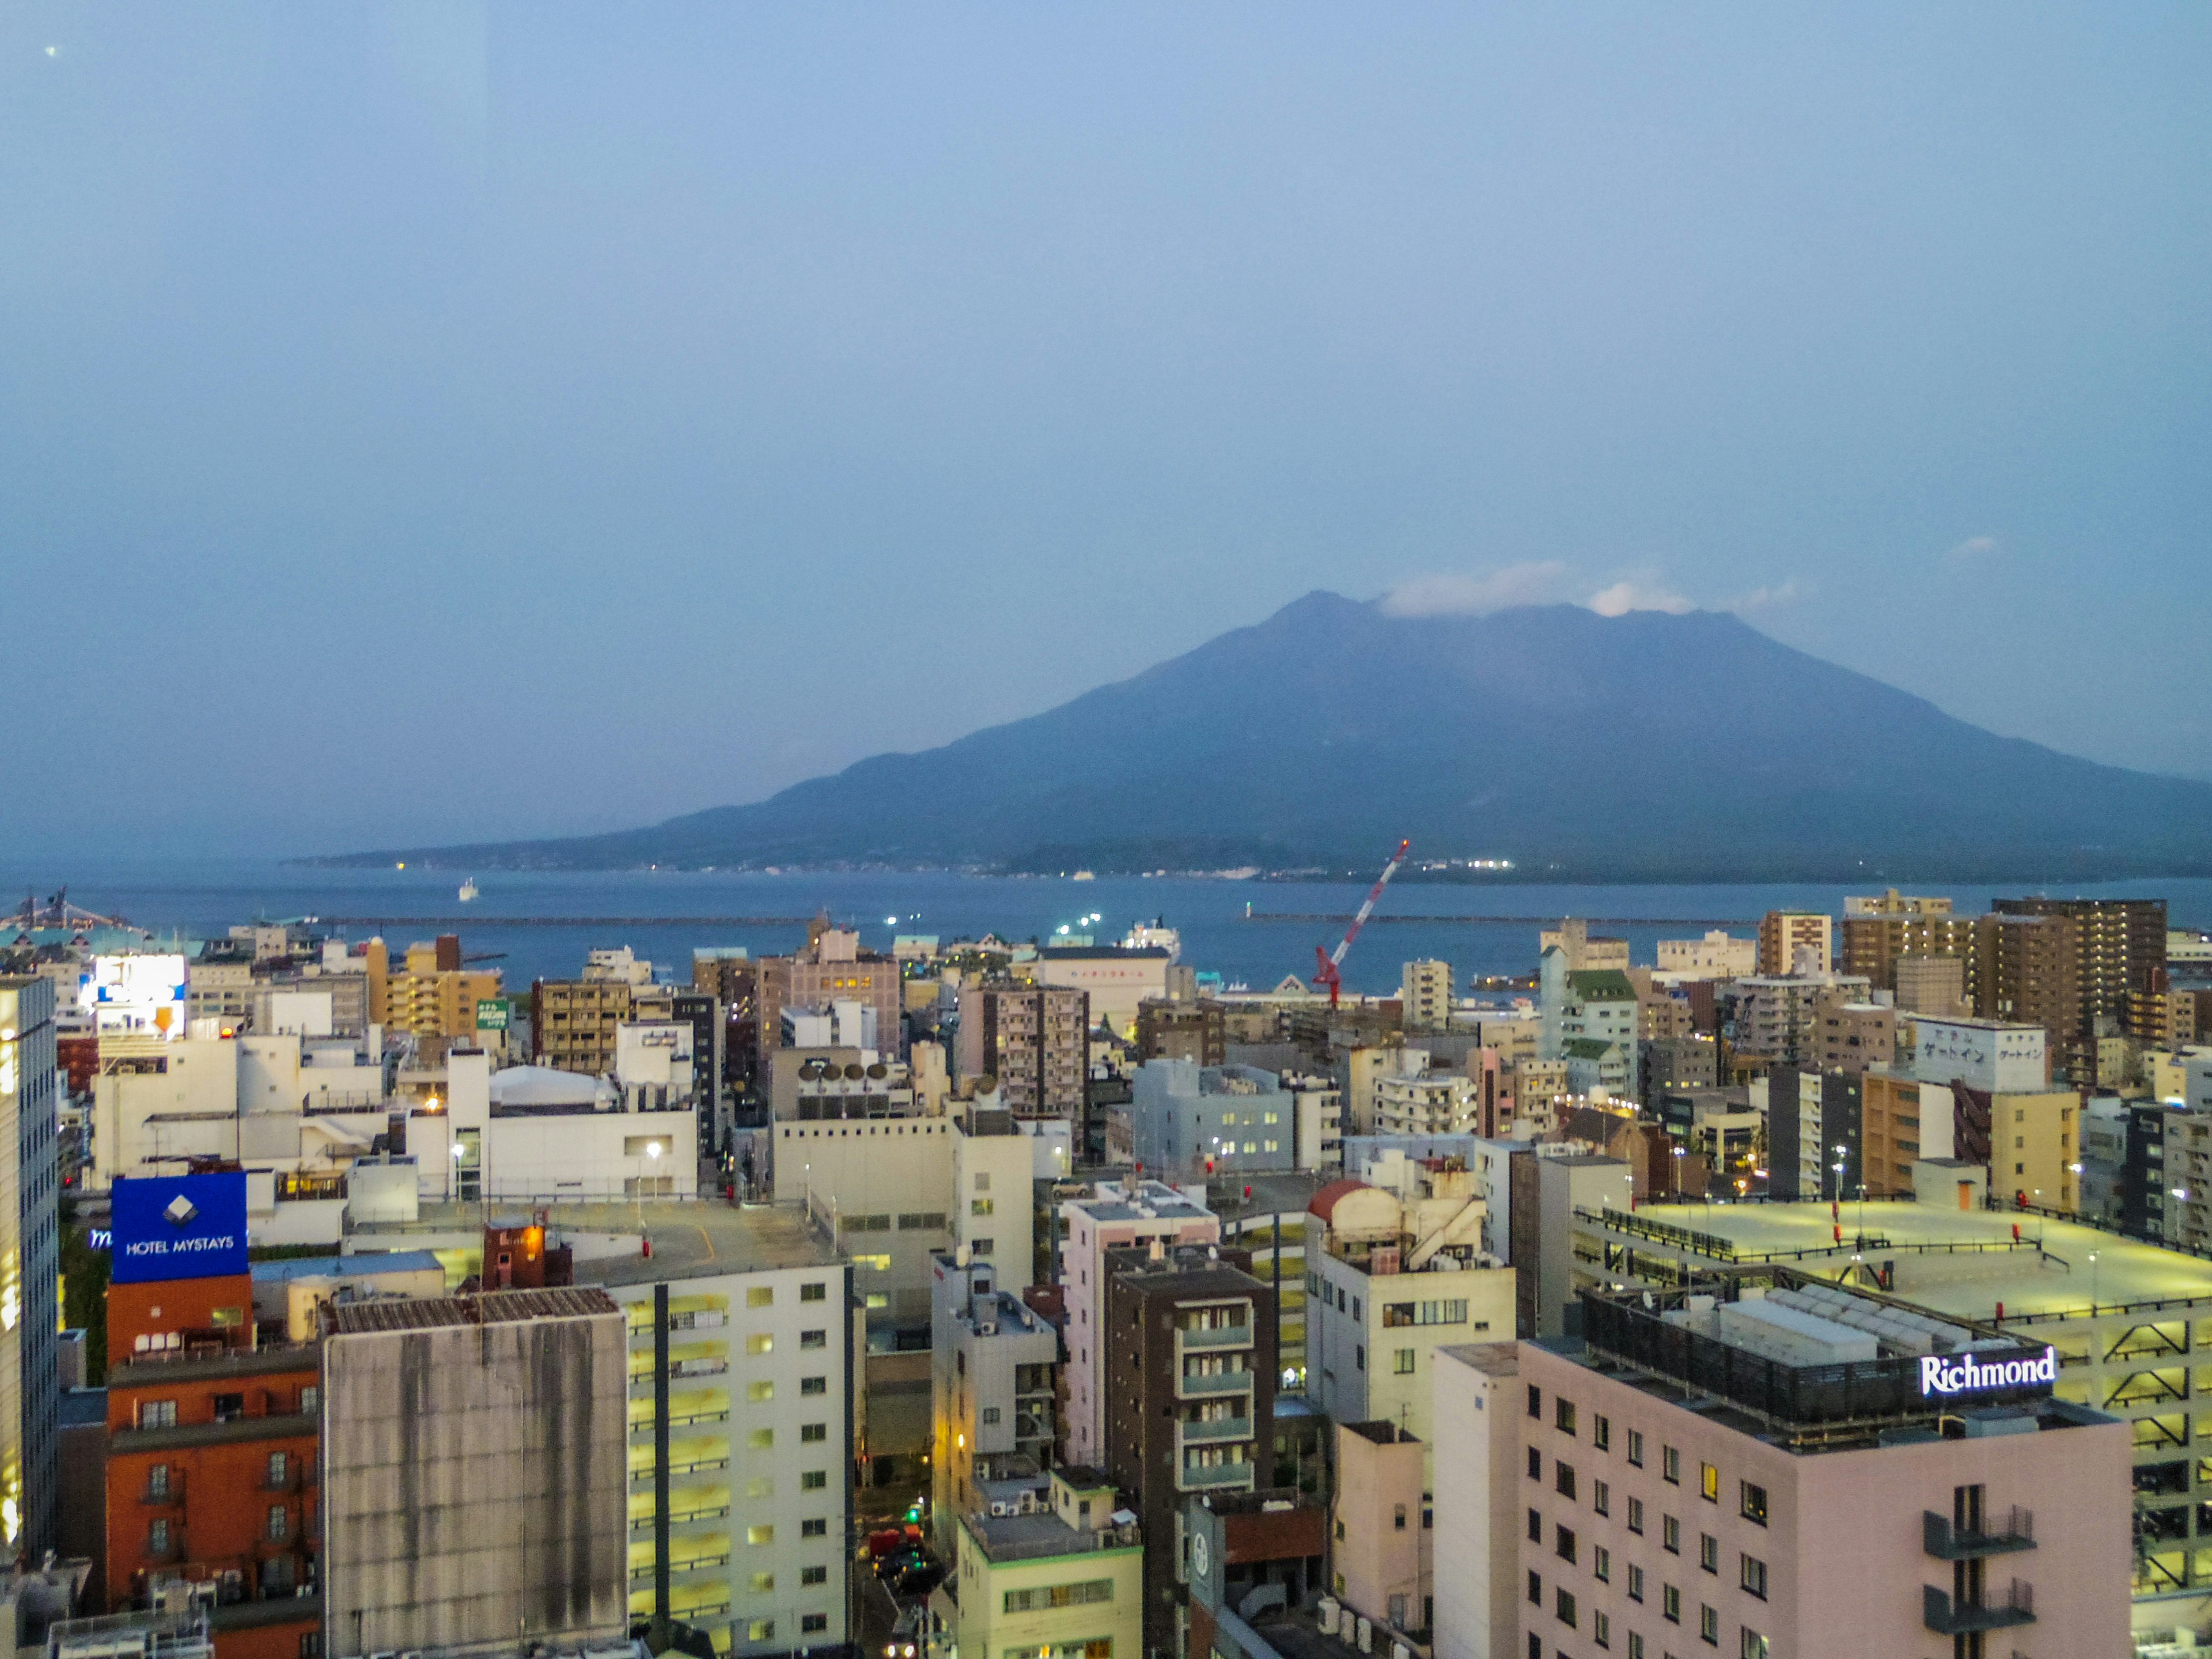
pixel 1361 1069
pixel 2119 956
pixel 1595 1005
pixel 1580 949
pixel 1190 1121
pixel 1196 1030
pixel 1257 1577
pixel 993 1381
pixel 1432 1103
pixel 534 1133
pixel 830 968
pixel 30 1265
pixel 574 1023
pixel 1035 1039
pixel 1425 995
pixel 1637 1493
pixel 1318 1111
pixel 1934 986
pixel 1719 955
pixel 1116 980
pixel 1782 935
pixel 1548 1194
pixel 885 1190
pixel 1190 1397
pixel 1880 931
pixel 2027 971
pixel 1389 1279
pixel 1679 1062
pixel 482 1437
pixel 1849 1035
pixel 1066 1579
pixel 1381 1527
pixel 1115 1216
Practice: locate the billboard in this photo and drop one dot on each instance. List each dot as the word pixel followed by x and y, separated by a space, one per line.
pixel 136 996
pixel 491 1014
pixel 179 1227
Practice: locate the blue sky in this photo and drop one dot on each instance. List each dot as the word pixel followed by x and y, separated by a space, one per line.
pixel 435 421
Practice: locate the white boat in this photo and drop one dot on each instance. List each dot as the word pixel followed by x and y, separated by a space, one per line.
pixel 468 889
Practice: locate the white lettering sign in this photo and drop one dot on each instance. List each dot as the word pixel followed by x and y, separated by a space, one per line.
pixel 1967 1375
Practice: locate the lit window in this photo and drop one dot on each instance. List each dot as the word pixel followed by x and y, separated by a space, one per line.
pixel 760 1296
pixel 764 1533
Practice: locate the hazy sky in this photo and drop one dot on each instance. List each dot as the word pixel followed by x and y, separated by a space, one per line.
pixel 421 421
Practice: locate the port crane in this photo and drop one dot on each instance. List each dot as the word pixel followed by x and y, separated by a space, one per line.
pixel 1329 978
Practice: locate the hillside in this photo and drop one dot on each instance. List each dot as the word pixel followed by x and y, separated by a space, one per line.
pixel 1642 747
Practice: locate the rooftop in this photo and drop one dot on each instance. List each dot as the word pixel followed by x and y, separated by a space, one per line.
pixel 689 1239
pixel 348 1267
pixel 492 1307
pixel 1005 1538
pixel 1959 1262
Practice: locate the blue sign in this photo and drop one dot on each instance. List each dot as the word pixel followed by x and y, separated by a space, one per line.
pixel 179 1227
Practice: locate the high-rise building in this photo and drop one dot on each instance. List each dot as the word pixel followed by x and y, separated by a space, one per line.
pixel 475 1473
pixel 30 1265
pixel 572 1022
pixel 2119 950
pixel 994 1369
pixel 1425 995
pixel 1190 1397
pixel 830 968
pixel 1880 933
pixel 1784 933
pixel 1036 1041
pixel 1195 1030
pixel 2028 972
pixel 1932 985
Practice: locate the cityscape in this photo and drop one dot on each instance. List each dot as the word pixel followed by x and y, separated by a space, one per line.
pixel 983 831
pixel 1054 1295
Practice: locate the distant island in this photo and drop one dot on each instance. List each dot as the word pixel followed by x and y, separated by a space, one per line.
pixel 1540 744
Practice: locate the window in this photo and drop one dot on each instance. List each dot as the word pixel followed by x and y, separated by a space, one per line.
pixel 1601 1564
pixel 1601 1630
pixel 810 1432
pixel 1670 1464
pixel 280 1470
pixel 814 1480
pixel 1536 1464
pixel 1398 1517
pixel 1602 1433
pixel 810 1623
pixel 758 1392
pixel 814 1338
pixel 1564 1544
pixel 762 1583
pixel 1708 1624
pixel 1754 1503
pixel 157 1415
pixel 1563 1604
pixel 1635 1583
pixel 1536 1526
pixel 814 1575
pixel 1670 1604
pixel 982 1182
pixel 157 1538
pixel 1563 1479
pixel 981 1246
pixel 1636 1515
pixel 1709 1552
pixel 760 1296
pixel 1562 1415
pixel 311 1644
pixel 764 1533
pixel 1536 1590
pixel 1535 1402
pixel 311 1401
pixel 1535 1646
pixel 817 1528
pixel 1753 1576
pixel 814 1385
pixel 1359 1355
pixel 157 1483
pixel 817 1291
pixel 981 1206
pixel 759 1344
pixel 1045 1596
pixel 1670 1534
pixel 1402 1363
pixel 1636 1446
pixel 761 1630
pixel 1602 1497
pixel 1755 1644
pixel 760 1439
pixel 990 1414
pixel 1635 1646
pixel 1709 1482
pixel 280 1523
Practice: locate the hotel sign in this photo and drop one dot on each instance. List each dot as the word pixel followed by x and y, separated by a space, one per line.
pixel 1941 1377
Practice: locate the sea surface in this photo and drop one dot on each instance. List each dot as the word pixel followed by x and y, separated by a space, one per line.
pixel 1480 928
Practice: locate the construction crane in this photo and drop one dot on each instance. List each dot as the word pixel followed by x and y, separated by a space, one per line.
pixel 1329 978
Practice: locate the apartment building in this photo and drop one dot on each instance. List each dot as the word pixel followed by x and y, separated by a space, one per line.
pixel 574 1023
pixel 1035 1039
pixel 1883 930
pixel 1932 985
pixel 994 1369
pixel 30 1264
pixel 1115 1216
pixel 1852 1035
pixel 2117 948
pixel 1389 1278
pixel 1719 955
pixel 1691 1477
pixel 1196 1030
pixel 830 968
pixel 1425 995
pixel 1190 1121
pixel 1190 1396
pixel 1797 942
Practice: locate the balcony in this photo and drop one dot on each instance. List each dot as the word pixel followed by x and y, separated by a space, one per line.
pixel 1936 1612
pixel 1207 1478
pixel 1190 1386
pixel 1189 1433
pixel 1188 1339
pixel 2001 1535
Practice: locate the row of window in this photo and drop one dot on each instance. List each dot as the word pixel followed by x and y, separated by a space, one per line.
pixel 1750 1644
pixel 1060 1595
pixel 1751 1576
pixel 1751 1497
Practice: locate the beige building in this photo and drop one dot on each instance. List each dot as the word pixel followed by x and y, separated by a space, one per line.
pixel 1932 985
pixel 572 1022
pixel 1784 933
pixel 1063 1581
pixel 1583 950
pixel 1035 1039
pixel 831 968
pixel 1380 1541
pixel 1425 995
pixel 1849 1035
pixel 1719 955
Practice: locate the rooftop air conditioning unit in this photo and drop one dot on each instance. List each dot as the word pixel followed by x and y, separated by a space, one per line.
pixel 1000 1507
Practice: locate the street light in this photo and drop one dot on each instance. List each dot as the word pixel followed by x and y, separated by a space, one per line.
pixel 2092 1283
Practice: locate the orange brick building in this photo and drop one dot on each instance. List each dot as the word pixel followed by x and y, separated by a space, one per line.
pixel 213 1463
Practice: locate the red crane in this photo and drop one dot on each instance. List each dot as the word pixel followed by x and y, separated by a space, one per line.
pixel 1329 978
